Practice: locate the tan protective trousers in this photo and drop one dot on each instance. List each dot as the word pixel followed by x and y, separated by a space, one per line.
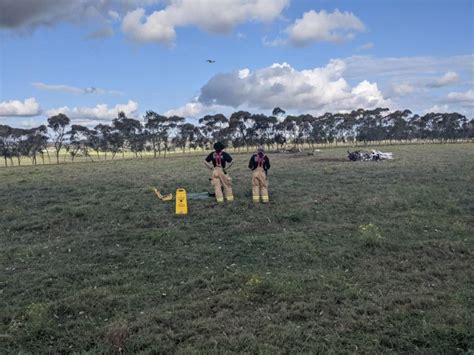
pixel 259 185
pixel 220 180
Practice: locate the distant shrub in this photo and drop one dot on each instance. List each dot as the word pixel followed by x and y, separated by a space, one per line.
pixel 370 235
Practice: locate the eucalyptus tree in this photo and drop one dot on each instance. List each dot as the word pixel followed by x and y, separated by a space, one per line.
pixel 36 143
pixel 157 130
pixel 173 123
pixel 130 129
pixel 212 125
pixel 278 112
pixel 398 125
pixel 79 141
pixel 186 134
pixel 103 136
pixel 264 129
pixel 240 124
pixel 5 148
pixel 18 147
pixel 58 124
pixel 292 128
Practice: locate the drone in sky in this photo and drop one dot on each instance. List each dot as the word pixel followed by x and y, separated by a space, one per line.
pixel 210 61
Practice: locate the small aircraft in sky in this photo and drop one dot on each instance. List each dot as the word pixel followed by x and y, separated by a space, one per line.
pixel 210 61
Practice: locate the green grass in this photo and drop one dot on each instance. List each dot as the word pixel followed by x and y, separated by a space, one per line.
pixel 92 262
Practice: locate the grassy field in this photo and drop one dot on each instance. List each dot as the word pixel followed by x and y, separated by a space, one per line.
pixel 347 258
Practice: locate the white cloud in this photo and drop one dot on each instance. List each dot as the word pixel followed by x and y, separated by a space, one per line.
pixel 447 79
pixel 402 89
pixel 323 26
pixel 191 109
pixel 366 46
pixel 437 109
pixel 29 107
pixel 195 109
pixel 318 89
pixel 244 73
pixel 114 15
pixel 101 112
pixel 465 98
pixel 75 90
pixel 273 42
pixel 212 16
pixel 359 67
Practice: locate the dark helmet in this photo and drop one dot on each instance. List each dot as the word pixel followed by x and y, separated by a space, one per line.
pixel 218 146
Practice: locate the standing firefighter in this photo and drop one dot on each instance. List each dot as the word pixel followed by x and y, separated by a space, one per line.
pixel 260 164
pixel 220 179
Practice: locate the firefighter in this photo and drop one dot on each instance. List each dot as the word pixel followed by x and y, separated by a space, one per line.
pixel 220 179
pixel 260 164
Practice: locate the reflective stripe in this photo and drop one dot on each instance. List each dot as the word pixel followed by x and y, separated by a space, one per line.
pixel 220 199
pixel 218 159
pixel 256 198
pixel 265 199
pixel 230 198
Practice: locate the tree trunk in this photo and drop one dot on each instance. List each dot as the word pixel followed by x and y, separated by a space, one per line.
pixel 57 157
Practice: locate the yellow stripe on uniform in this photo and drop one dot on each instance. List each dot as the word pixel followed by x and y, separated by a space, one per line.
pixel 230 198
pixel 220 199
pixel 265 199
pixel 256 198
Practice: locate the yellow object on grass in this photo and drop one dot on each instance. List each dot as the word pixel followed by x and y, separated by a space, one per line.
pixel 167 197
pixel 181 202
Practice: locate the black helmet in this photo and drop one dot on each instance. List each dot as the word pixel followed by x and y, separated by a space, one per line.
pixel 218 146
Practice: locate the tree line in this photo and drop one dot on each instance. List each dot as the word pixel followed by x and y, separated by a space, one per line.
pixel 160 134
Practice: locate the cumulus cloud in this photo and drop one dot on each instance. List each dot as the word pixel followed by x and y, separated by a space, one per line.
pixel 29 107
pixel 341 85
pixel 30 14
pixel 317 89
pixel 191 109
pixel 324 26
pixel 212 16
pixel 195 109
pixel 101 112
pixel 447 79
pixel 465 98
pixel 75 90
pixel 401 89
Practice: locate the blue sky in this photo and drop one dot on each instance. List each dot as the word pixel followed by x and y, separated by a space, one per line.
pixel 305 56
